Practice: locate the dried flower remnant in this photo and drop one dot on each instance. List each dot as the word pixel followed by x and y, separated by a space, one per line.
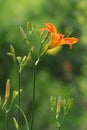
pixel 57 38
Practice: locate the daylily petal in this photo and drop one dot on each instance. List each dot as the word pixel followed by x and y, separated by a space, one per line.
pixel 49 27
pixel 58 38
pixel 54 41
pixel 71 41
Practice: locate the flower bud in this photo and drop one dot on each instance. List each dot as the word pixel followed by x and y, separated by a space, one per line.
pixel 7 92
pixel 19 59
pixel 15 94
pixel 59 102
pixel 29 26
pixel 15 123
pixel 23 33
pixel 12 49
pixel 24 58
pixel 69 103
pixel 12 53
pixel 52 102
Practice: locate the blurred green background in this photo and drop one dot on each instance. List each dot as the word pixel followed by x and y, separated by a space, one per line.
pixel 63 74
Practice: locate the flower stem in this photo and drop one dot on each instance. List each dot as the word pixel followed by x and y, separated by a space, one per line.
pixel 19 87
pixel 59 128
pixel 25 118
pixel 62 122
pixel 6 120
pixel 19 76
pixel 33 103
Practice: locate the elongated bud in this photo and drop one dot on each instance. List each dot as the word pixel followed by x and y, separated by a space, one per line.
pixel 7 92
pixel 15 123
pixel 29 27
pixel 52 102
pixel 23 33
pixel 41 33
pixel 12 53
pixel 59 102
pixel 69 103
pixel 12 49
pixel 45 38
pixel 26 59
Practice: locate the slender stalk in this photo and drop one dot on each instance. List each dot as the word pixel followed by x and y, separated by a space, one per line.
pixel 59 128
pixel 33 103
pixel 6 120
pixel 19 79
pixel 62 122
pixel 25 118
pixel 19 87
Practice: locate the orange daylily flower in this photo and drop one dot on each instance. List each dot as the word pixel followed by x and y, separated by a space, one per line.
pixel 58 38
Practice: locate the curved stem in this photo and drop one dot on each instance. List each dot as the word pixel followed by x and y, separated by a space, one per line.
pixel 33 103
pixel 25 118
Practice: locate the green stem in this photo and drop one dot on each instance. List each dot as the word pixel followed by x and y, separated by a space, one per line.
pixel 25 118
pixel 19 87
pixel 19 82
pixel 19 79
pixel 62 122
pixel 6 120
pixel 33 103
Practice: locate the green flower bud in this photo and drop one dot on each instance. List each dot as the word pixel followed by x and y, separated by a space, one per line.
pixel 7 92
pixel 52 102
pixel 12 53
pixel 59 102
pixel 19 58
pixel 69 103
pixel 12 49
pixel 23 33
pixel 15 123
pixel 15 94
pixel 29 27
